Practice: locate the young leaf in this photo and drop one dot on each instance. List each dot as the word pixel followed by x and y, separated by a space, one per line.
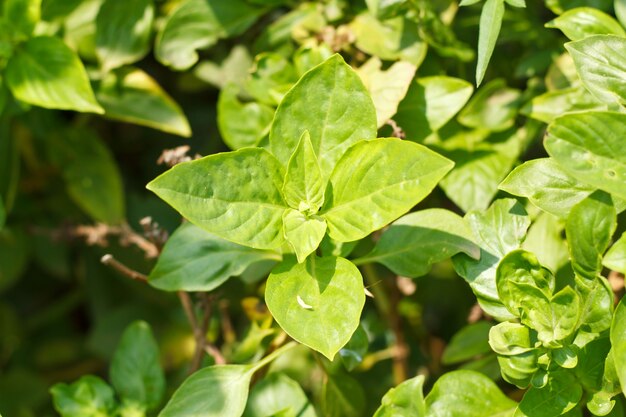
pixel 615 258
pixel 510 339
pixel 47 73
pixel 414 242
pixel 235 195
pixel 88 396
pixel 560 395
pixel 22 15
pixel 490 23
pixel 482 113
pixel 365 193
pixel 589 146
pixel 123 31
pixel 405 400
pixel 521 267
pixel 582 22
pixel 467 343
pixel 596 309
pixel 278 393
pixel 303 233
pixel 343 396
pixel 590 226
pixel 618 342
pixel 601 63
pixel 318 302
pixel 136 372
pixel 304 185
pixel 131 95
pixel 545 240
pixel 331 102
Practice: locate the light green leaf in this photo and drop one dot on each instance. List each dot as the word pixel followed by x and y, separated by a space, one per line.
pixel 14 248
pixel 589 228
pixel 303 233
pixel 304 185
pixel 589 147
pixel 271 76
pixel 318 302
pixel 620 11
pixel 582 22
pixel 601 63
pixel 430 103
pixel 234 69
pixel 89 396
pixel 560 395
pixel 79 28
pixel 497 231
pixel 490 23
pixel 123 30
pixel 467 394
pixel 519 369
pixel 343 396
pixel 241 124
pixel 387 87
pixel 278 393
pixel 405 400
pixel 463 3
pixel 309 56
pixel 22 15
pixel 46 73
pixel 234 195
pixel 516 3
pixel 510 339
pixel 560 321
pixel 493 107
pixel 331 102
pixel 364 194
pixel 354 351
pixel 467 343
pixel 552 104
pixel 136 372
pixel 545 239
pixel 414 242
pixel 199 24
pixel 618 342
pixel 596 309
pixel 615 258
pixel 131 95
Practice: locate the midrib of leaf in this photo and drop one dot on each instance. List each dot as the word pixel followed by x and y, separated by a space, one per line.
pixel 406 248
pixel 261 204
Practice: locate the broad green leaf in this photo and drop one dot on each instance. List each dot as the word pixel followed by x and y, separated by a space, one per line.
pixel 545 239
pixel 304 233
pixel 215 391
pixel 618 342
pixel 552 104
pixel 589 228
pixel 13 256
pixel 560 395
pixel 89 396
pixel 234 69
pixel 591 359
pixel 353 352
pixel 387 87
pixel 364 194
pixel 318 302
pixel 131 95
pixel 234 195
pixel 559 321
pixel 596 309
pixel 199 24
pixel 490 23
pixel 57 9
pixel 194 260
pixel 241 124
pixel 414 242
pixel 522 267
pixel 615 258
pixel 271 76
pixel 430 103
pixel 309 56
pixel 620 11
pixel 601 65
pixel 22 15
pixel 493 107
pixel 331 102
pixel 405 400
pixel 343 396
pixel 589 147
pixel 582 22
pixel 47 73
pixel 277 393
pixel 497 231
pixel 509 339
pixel 136 372
pixel 467 343
pixel 467 394
pixel 79 29
pixel 304 185
pixel 123 30
pixel 91 175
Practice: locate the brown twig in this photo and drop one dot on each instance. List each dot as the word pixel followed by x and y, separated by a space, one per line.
pixel 109 260
pixel 397 131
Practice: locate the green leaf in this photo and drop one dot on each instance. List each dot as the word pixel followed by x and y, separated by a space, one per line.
pixel 22 15
pixel 123 30
pixel 545 239
pixel 304 233
pixel 363 194
pixel 89 396
pixel 561 394
pixel 46 73
pixel 3 213
pixel 199 24
pixel 493 107
pixel 596 309
pixel 497 232
pixel 510 339
pixel 559 321
pixel 414 242
pixel 354 351
pixel 194 260
pixel 519 369
pixel 241 124
pixel 271 76
pixel 387 87
pixel 13 256
pixel 467 394
pixel 331 102
pixel 615 258
pixel 343 396
pixel 601 65
pixel 131 95
pixel 591 359
pixel 620 11
pixel 582 22
pixel 136 372
pixel 234 195
pixel 490 23
pixel 467 343
pixel 278 393
pixel 318 302
pixel 234 69
pixel 618 343
pixel 430 103
pixel 405 400
pixel 552 104
pixel 304 185
pixel 589 228
pixel 589 146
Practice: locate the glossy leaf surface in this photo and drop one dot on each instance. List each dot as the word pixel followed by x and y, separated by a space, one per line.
pixel 618 342
pixel 304 185
pixel 615 258
pixel 404 400
pixel 490 24
pixel 581 22
pixel 89 395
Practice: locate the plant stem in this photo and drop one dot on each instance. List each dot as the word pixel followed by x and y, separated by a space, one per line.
pixel 109 260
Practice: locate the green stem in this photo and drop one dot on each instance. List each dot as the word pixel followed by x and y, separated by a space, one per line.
pixel 269 358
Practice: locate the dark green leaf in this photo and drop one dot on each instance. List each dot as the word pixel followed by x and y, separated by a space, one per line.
pixel 467 343
pixel 22 15
pixel 353 352
pixel 13 256
pixel 560 395
pixel 342 396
